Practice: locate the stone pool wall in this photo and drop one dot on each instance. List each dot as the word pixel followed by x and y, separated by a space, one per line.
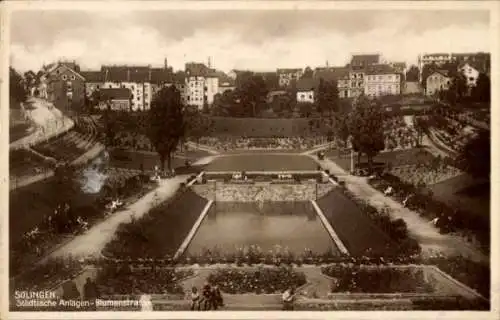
pixel 261 192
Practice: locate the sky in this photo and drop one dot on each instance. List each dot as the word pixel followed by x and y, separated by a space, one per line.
pixel 256 40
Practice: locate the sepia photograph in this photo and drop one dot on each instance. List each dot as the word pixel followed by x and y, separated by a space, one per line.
pixel 219 158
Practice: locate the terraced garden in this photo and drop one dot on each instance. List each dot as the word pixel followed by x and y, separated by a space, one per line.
pixel 262 162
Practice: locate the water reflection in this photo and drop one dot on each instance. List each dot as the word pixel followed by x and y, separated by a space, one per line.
pixel 230 225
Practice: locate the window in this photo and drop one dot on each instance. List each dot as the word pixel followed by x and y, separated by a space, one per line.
pixel 138 98
pixel 471 79
pixel 97 86
pixel 302 96
pixel 110 86
pixel 64 77
pixel 73 77
pixel 310 96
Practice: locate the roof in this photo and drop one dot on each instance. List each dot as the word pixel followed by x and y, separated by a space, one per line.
pixel 115 94
pixel 435 54
pixel 441 72
pixel 380 69
pixel 333 73
pixel 115 74
pixel 399 65
pixel 161 75
pixel 481 67
pixel 179 77
pixel 195 69
pixel 365 59
pixel 67 68
pixel 93 76
pixel 290 70
pixel 306 84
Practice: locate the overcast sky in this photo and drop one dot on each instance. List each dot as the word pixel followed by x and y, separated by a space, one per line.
pixel 259 40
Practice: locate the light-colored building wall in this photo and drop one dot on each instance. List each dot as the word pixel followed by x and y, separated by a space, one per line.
pixel 195 91
pixel 470 74
pixel 436 82
pixel 306 96
pixel 212 85
pixel 382 84
pixel 141 93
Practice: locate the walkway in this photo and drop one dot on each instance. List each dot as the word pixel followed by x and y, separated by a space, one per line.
pixel 421 229
pixel 93 241
pixel 50 122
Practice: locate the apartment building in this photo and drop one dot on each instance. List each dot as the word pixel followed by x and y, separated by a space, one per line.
pixel 439 80
pixel 287 76
pixel 64 86
pixel 382 80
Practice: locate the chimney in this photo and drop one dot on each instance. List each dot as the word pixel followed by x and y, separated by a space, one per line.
pixel 166 63
pixel 128 74
pixel 209 64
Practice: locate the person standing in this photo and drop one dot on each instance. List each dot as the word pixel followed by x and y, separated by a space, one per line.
pixel 207 296
pixel 195 299
pixel 90 292
pixel 217 300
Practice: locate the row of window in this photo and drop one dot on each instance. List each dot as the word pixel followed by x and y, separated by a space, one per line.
pixel 388 77
pixel 65 77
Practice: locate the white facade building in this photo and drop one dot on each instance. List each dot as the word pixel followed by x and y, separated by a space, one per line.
pixel 382 80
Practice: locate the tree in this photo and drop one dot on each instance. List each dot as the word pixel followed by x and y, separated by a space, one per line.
pixel 253 95
pixel 166 123
pixel 328 97
pixel 342 127
pixel 305 109
pixel 457 90
pixel 366 126
pixel 412 74
pixel 197 124
pixel 482 91
pixel 17 89
pixel 308 73
pixel 475 155
pixel 420 125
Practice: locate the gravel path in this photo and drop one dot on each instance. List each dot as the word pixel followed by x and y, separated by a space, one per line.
pixel 93 241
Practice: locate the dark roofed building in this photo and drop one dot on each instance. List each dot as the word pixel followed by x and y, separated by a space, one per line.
pixel 195 69
pixel 378 69
pixel 93 76
pixel 363 60
pixel 287 76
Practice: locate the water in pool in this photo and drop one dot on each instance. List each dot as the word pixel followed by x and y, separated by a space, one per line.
pixel 232 225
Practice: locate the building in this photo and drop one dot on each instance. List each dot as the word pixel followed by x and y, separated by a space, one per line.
pixel 306 90
pixel 437 81
pixel 196 74
pixel 364 60
pixel 211 87
pixel 65 87
pixel 340 75
pixel 287 76
pixel 356 81
pixel 470 72
pixel 119 99
pixel 94 80
pixel 411 87
pixel 381 80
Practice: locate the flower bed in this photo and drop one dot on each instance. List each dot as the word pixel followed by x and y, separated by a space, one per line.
pixel 396 230
pixel 125 279
pixel 473 274
pixel 160 232
pixel 262 280
pixel 363 279
pixel 450 219
pixel 47 275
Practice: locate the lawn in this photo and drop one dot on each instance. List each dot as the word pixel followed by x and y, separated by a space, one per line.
pixel 262 162
pixel 354 228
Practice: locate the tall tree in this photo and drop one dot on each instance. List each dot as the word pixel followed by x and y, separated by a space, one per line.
pixel 17 89
pixel 253 95
pixel 482 91
pixel 166 123
pixel 328 97
pixel 476 154
pixel 308 73
pixel 412 74
pixel 457 90
pixel 197 124
pixel 366 127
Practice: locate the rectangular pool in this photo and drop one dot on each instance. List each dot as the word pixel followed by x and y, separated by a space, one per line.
pixel 232 225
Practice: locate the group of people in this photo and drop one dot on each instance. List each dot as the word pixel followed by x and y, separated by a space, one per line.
pixel 209 299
